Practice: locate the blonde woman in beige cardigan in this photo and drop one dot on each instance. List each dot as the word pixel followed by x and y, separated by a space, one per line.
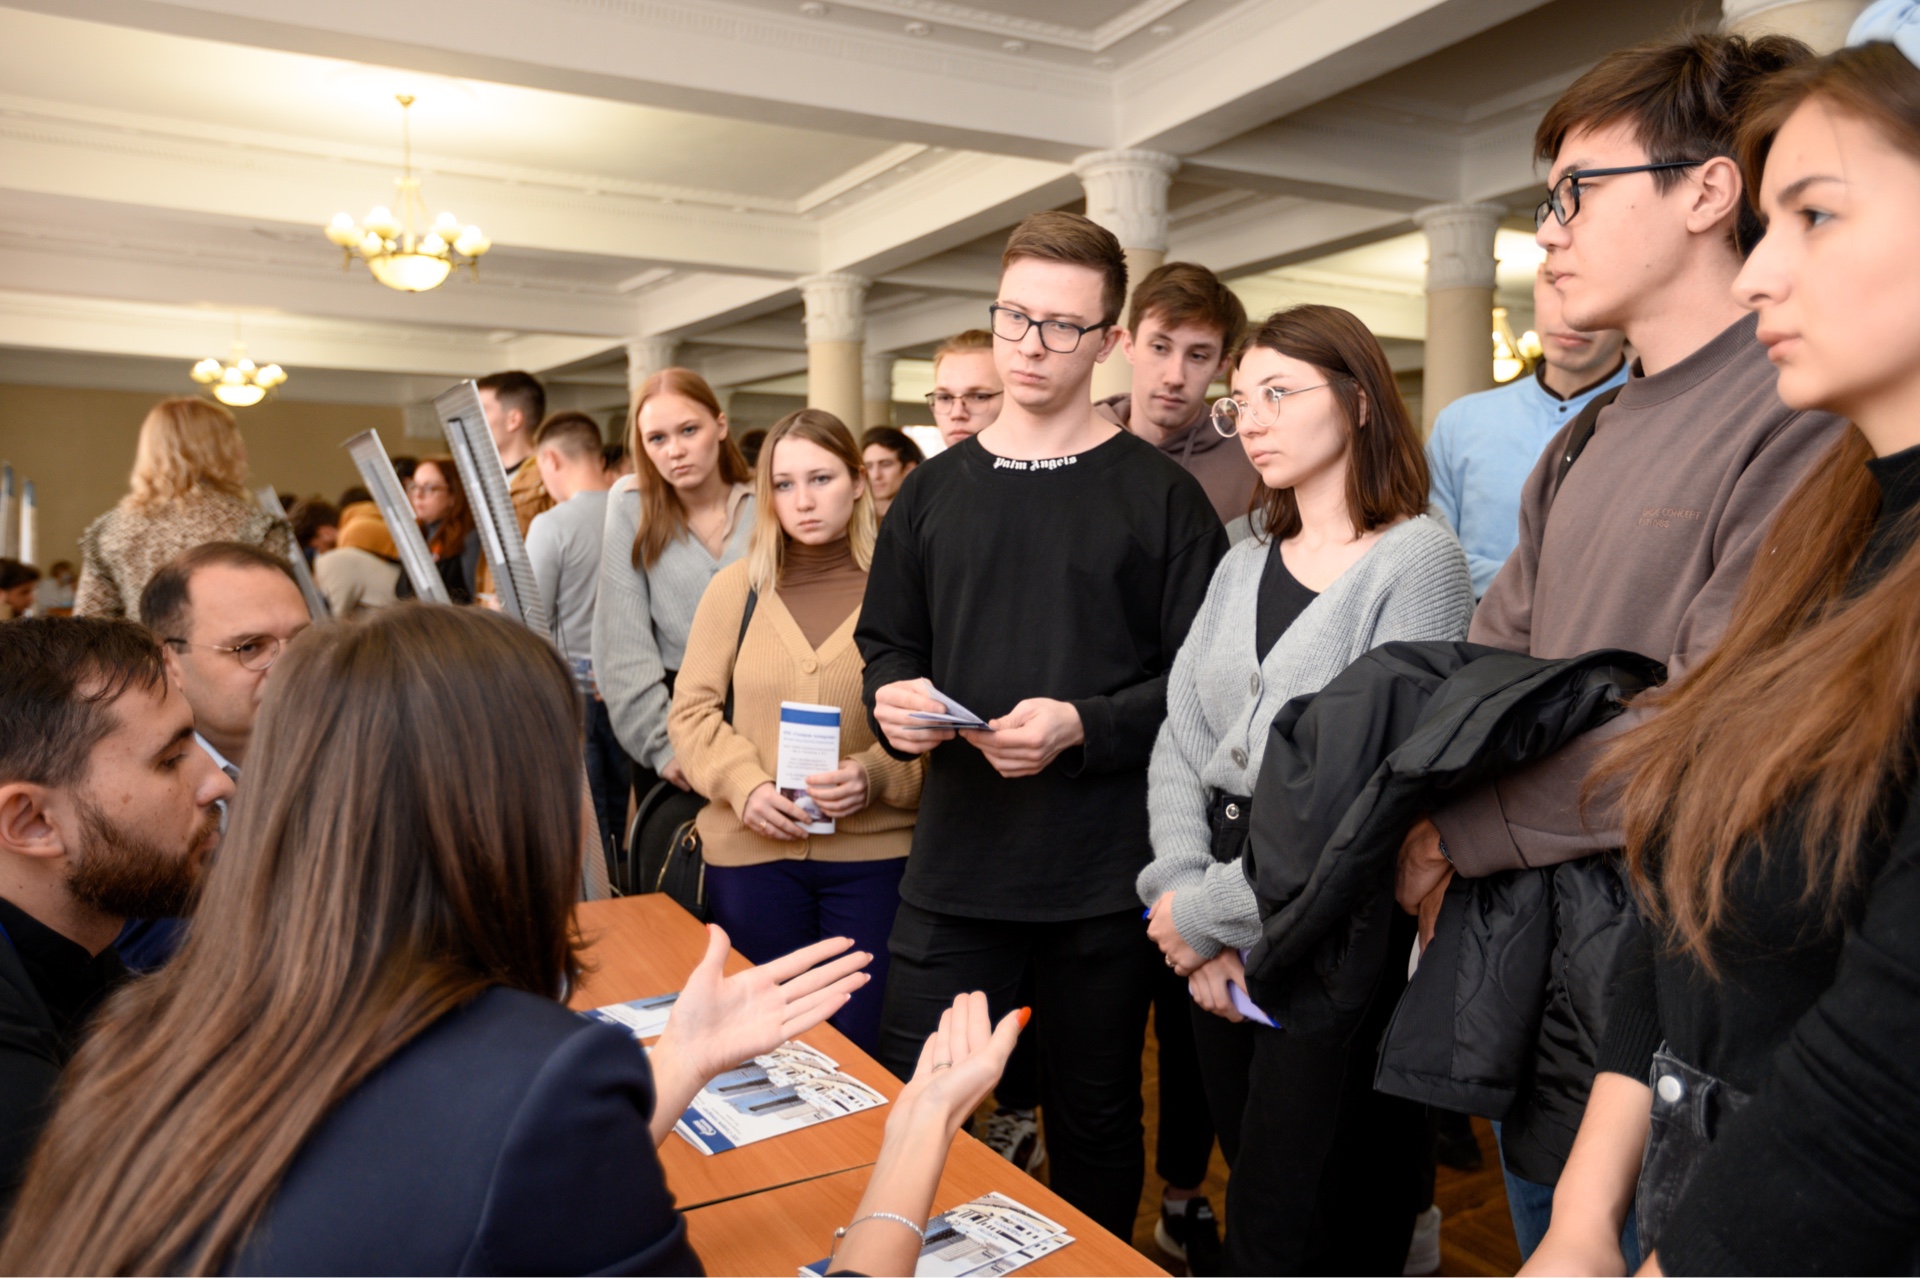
pixel 773 886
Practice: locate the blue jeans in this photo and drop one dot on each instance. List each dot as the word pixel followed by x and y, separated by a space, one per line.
pixel 774 909
pixel 1531 1206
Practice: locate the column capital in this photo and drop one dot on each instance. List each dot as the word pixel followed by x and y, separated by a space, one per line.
pixel 876 374
pixel 1127 194
pixel 1460 244
pixel 647 356
pixel 836 306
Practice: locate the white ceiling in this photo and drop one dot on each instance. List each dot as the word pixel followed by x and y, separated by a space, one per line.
pixel 671 167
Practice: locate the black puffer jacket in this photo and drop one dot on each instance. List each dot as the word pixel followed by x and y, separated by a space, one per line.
pixel 1348 769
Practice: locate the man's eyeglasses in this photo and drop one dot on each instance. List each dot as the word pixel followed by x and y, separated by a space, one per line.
pixel 978 401
pixel 1057 336
pixel 1264 410
pixel 1563 200
pixel 257 653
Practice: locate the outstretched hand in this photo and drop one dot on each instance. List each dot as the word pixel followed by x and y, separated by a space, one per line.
pixel 720 1021
pixel 960 1062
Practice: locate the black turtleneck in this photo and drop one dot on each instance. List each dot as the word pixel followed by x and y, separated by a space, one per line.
pixel 1819 1023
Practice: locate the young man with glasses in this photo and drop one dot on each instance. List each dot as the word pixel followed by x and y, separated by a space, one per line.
pixel 1646 541
pixel 966 394
pixel 1042 574
pixel 1182 326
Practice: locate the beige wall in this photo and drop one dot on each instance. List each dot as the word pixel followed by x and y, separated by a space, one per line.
pixel 77 447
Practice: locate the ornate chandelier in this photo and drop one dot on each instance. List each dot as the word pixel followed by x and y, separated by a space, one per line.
pixel 394 249
pixel 238 382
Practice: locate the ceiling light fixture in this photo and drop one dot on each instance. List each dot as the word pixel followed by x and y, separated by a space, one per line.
pixel 919 29
pixel 1512 355
pixel 395 251
pixel 238 382
pixel 814 9
pixel 1014 46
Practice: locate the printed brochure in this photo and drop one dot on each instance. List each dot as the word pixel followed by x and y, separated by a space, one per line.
pixel 791 1087
pixel 641 1017
pixel 989 1236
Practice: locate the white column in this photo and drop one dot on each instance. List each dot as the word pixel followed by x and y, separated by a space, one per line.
pixel 645 357
pixel 836 329
pixel 1127 194
pixel 1460 279
pixel 876 375
pixel 1821 23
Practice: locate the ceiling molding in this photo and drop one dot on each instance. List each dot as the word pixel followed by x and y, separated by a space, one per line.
pixel 995 22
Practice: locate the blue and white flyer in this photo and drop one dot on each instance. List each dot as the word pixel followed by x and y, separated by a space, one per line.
pixel 809 745
pixel 791 1087
pixel 640 1017
pixel 989 1236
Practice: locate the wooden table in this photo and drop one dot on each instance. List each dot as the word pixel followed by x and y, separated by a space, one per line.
pixel 771 1207
pixel 778 1231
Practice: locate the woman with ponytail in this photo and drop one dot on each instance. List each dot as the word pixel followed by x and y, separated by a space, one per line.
pixel 1758 1105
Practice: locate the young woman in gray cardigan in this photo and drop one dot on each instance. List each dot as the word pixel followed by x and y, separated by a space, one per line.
pixel 685 513
pixel 1343 559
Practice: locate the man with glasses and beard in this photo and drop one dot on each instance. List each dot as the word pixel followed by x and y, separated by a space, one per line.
pixel 108 811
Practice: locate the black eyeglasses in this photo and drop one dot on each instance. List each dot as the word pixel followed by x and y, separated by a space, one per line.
pixel 1567 207
pixel 1057 336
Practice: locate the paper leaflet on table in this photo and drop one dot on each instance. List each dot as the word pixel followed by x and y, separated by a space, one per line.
pixel 809 745
pixel 640 1017
pixel 989 1236
pixel 955 715
pixel 791 1087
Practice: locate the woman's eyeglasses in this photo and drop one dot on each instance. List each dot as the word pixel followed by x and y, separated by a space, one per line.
pixel 1262 410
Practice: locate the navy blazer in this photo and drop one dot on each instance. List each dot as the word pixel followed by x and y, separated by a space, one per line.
pixel 509 1138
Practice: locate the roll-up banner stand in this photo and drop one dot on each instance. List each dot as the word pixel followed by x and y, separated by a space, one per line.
pixel 7 516
pixel 377 473
pixel 316 602
pixel 485 479
pixel 29 524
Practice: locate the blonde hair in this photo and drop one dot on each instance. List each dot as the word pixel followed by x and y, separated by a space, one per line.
pixel 767 552
pixel 187 445
pixel 973 339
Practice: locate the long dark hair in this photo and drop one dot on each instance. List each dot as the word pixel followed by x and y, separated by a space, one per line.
pixel 1808 697
pixel 1386 467
pixel 663 518
pixel 361 894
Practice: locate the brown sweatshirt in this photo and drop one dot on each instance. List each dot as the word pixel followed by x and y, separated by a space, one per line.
pixel 1645 548
pixel 1219 463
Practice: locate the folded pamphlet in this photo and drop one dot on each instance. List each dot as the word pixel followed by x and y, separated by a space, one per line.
pixel 640 1017
pixel 791 1087
pixel 954 716
pixel 989 1236
pixel 809 745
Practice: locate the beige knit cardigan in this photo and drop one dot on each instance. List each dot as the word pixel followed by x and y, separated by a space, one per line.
pixel 726 763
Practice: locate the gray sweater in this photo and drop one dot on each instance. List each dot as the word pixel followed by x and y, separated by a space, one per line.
pixel 641 620
pixel 1412 585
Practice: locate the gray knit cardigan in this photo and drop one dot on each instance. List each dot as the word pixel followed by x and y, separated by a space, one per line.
pixel 1412 585
pixel 641 618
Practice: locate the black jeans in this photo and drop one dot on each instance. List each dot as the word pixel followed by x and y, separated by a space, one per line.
pixel 1186 1123
pixel 1328 1174
pixel 1092 982
pixel 1688 1107
pixel 609 774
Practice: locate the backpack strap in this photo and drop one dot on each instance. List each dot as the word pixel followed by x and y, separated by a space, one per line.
pixel 1582 433
pixel 746 618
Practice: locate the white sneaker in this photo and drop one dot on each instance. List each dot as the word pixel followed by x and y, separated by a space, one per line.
pixel 1014 1134
pixel 1423 1254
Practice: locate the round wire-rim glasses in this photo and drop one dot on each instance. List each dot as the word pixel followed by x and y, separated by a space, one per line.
pixel 1263 411
pixel 257 653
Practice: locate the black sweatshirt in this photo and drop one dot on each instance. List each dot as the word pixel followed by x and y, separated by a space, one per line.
pixel 1820 1025
pixel 1073 578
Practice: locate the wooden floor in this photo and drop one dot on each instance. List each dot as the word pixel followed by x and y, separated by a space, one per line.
pixel 1476 1233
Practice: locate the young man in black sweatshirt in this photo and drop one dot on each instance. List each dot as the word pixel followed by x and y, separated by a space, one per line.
pixel 1041 574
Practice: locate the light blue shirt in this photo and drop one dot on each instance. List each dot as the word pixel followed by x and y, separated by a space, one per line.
pixel 1483 448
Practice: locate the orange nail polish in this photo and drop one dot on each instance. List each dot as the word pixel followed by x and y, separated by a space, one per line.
pixel 1026 1014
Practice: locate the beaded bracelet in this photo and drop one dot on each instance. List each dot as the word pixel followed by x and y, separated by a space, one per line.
pixel 841 1232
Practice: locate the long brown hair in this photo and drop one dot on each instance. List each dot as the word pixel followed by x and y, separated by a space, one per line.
pixel 1807 699
pixel 361 895
pixel 767 552
pixel 1386 467
pixel 663 518
pixel 450 538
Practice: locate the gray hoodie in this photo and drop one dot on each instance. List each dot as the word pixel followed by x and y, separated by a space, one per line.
pixel 1219 463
